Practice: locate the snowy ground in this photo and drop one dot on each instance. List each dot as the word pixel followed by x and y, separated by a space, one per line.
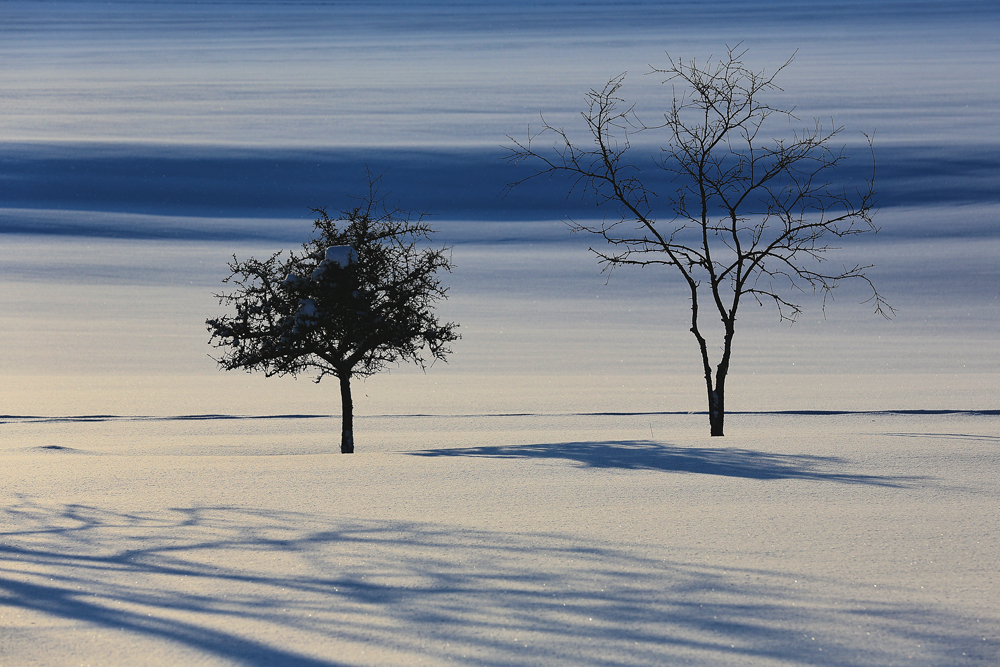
pixel 543 499
pixel 857 539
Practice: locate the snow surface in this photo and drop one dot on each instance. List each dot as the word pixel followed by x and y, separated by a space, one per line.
pixel 342 255
pixel 857 539
pixel 307 308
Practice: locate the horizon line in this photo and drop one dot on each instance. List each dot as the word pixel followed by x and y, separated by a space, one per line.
pixel 221 417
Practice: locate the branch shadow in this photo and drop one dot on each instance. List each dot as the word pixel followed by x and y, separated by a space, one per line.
pixel 949 436
pixel 648 455
pixel 67 545
pixel 430 592
pixel 92 419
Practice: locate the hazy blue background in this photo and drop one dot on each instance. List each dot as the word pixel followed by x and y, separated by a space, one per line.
pixel 141 143
pixel 262 109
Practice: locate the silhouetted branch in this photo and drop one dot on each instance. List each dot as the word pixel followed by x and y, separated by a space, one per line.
pixel 749 217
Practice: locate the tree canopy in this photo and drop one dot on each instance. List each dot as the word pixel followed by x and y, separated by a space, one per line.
pixel 359 297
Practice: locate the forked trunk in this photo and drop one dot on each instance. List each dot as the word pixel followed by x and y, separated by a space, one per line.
pixel 347 410
pixel 716 390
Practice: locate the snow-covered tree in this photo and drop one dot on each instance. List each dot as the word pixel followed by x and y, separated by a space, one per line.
pixel 358 298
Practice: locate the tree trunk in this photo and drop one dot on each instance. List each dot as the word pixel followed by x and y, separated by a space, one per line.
pixel 717 409
pixel 716 392
pixel 347 410
pixel 717 398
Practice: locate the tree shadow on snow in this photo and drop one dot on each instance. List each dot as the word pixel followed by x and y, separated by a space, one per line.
pixel 427 592
pixel 648 455
pixel 977 437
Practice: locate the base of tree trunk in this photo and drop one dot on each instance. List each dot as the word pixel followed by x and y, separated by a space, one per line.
pixel 716 426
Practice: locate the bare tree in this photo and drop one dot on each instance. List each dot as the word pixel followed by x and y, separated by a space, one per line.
pixel 357 299
pixel 750 215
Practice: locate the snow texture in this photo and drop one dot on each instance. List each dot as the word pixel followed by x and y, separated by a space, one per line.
pixel 307 308
pixel 341 255
pixel 563 541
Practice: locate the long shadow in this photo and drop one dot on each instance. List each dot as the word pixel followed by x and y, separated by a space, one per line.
pixel 435 593
pixel 60 602
pixel 83 419
pixel 949 436
pixel 648 455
